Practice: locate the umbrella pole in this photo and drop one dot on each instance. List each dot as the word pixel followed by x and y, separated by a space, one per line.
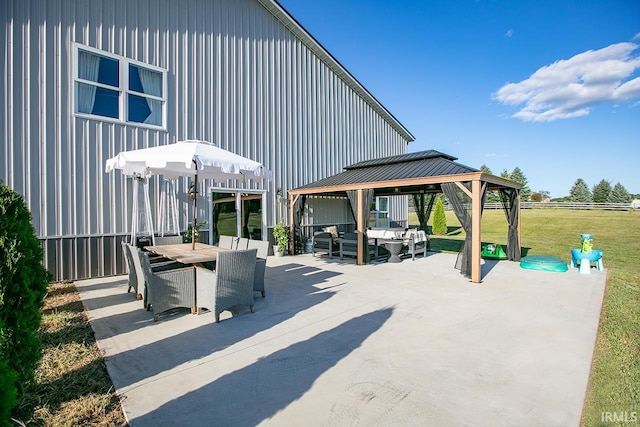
pixel 195 203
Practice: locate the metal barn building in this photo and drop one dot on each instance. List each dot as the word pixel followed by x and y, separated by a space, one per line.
pixel 86 79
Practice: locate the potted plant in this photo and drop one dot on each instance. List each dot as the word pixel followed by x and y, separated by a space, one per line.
pixel 281 237
pixel 199 225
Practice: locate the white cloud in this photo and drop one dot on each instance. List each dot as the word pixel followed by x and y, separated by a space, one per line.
pixel 509 33
pixel 570 87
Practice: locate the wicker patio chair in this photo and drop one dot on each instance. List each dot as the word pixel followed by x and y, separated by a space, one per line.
pixel 168 240
pixel 261 263
pixel 175 288
pixel 230 285
pixel 131 270
pixel 242 243
pixel 157 264
pixel 226 242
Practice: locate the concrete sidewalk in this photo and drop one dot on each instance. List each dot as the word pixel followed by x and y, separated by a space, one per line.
pixel 336 344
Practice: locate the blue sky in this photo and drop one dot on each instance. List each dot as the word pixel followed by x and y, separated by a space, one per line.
pixel 551 87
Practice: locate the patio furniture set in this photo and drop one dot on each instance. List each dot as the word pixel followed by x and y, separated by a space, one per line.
pixel 397 241
pixel 171 274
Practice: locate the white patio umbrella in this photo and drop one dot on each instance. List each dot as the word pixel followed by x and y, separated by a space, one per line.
pixel 196 159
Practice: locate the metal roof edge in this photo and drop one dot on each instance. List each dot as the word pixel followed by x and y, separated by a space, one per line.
pixel 298 30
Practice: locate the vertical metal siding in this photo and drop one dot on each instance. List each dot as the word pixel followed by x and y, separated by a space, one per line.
pixel 236 76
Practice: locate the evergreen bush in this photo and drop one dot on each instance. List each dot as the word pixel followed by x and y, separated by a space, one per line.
pixel 439 219
pixel 23 284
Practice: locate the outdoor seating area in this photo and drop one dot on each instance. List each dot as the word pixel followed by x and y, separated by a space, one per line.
pixel 171 276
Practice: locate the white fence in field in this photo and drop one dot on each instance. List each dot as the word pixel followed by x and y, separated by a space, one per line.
pixel 633 206
pixel 570 205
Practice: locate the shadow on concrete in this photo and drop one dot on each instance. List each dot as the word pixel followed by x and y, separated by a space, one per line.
pixel 297 291
pixel 255 393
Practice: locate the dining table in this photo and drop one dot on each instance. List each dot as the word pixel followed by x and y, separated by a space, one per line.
pixel 185 254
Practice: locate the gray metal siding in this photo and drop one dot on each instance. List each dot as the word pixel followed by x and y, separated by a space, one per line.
pixel 236 76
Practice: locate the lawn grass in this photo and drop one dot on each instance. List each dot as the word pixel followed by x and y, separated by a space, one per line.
pixel 72 386
pixel 614 384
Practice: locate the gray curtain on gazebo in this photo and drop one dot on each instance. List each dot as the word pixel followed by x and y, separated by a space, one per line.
pixel 352 195
pixel 298 212
pixel 509 198
pixel 423 208
pixel 457 198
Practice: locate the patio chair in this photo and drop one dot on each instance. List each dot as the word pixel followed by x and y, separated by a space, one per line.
pixel 348 245
pixel 168 289
pixel 324 242
pixel 156 263
pixel 242 243
pixel 230 285
pixel 168 240
pixel 261 264
pixel 416 242
pixel 131 269
pixel 226 242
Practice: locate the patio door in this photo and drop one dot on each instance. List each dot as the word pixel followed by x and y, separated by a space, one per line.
pixel 237 213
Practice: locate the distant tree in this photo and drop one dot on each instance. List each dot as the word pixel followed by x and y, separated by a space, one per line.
pixel 518 176
pixel 536 197
pixel 544 193
pixel 505 174
pixel 439 226
pixel 619 194
pixel 601 191
pixel 580 192
pixel 491 196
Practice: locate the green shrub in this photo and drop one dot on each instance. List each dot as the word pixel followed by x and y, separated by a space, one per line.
pixel 439 219
pixel 23 284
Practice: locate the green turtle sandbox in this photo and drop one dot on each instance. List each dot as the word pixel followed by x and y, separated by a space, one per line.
pixel 544 263
pixel 493 251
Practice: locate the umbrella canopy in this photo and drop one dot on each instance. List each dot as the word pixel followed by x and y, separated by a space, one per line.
pixel 196 159
pixel 187 158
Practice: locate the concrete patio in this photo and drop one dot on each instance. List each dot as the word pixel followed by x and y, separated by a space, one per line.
pixel 336 344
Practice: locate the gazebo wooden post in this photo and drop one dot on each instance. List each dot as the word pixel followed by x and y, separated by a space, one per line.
pixel 519 220
pixel 292 226
pixel 360 227
pixel 476 244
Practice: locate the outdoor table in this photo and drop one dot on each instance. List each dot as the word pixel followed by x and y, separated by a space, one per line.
pixel 394 247
pixel 184 253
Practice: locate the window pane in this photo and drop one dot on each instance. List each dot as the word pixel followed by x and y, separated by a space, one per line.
pixel 106 103
pixel 97 68
pixel 145 110
pixel 144 80
pixel 383 204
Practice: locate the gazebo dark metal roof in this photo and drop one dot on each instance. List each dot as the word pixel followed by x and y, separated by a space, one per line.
pixel 419 173
pixel 408 170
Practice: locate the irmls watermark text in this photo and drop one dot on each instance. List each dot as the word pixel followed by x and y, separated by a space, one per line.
pixel 619 417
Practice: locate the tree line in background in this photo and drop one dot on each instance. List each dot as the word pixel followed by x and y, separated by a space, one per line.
pixel 603 192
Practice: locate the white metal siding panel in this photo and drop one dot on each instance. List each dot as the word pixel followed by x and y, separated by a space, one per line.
pixel 236 76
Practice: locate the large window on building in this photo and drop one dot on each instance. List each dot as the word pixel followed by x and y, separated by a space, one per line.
pixel 115 88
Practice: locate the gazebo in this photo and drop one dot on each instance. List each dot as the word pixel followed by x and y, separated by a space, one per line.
pixel 421 175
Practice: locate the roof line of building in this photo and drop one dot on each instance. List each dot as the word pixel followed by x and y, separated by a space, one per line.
pixel 298 30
